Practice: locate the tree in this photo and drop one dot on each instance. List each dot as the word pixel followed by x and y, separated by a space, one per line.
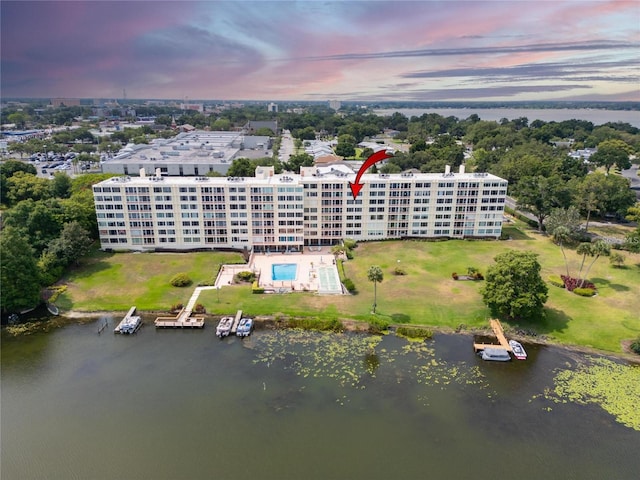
pixel 220 124
pixel 19 275
pixel 596 250
pixel 11 167
pixel 345 150
pixel 602 193
pixel 72 244
pixel 241 167
pixel 563 225
pixel 632 242
pixel 562 236
pixel 299 160
pixel 24 186
pixel 375 275
pixel 612 152
pixel 540 195
pixel 346 146
pixel 19 118
pixel 264 132
pixel 513 286
pixel 616 259
pixel 61 185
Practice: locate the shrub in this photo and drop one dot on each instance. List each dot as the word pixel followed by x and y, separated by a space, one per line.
pixel 333 325
pixel 176 307
pixel 635 345
pixel 350 243
pixel 245 276
pixel 199 308
pixel 584 292
pixel 349 285
pixel 454 275
pixel 181 280
pixel 413 332
pixel 571 283
pixel 399 271
pixel 255 288
pixel 377 325
pixel 349 254
pixel 556 281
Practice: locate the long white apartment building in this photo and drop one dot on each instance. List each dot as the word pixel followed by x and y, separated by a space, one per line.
pixel 280 213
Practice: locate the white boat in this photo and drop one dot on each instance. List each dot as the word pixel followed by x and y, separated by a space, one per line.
pixel 129 325
pixel 518 350
pixel 244 327
pixel 224 326
pixel 495 354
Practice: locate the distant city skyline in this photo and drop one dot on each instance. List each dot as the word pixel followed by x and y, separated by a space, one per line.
pixel 344 51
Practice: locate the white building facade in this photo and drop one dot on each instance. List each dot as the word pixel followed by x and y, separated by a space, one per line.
pixel 284 213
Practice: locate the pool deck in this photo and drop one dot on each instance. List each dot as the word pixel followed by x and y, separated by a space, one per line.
pixel 308 277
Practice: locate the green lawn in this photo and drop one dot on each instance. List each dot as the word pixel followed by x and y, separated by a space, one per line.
pixel 426 295
pixel 116 281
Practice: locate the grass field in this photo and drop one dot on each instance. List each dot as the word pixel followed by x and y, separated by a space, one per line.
pixel 426 295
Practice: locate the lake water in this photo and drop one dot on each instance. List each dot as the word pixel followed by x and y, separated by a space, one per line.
pixel 172 404
pixel 596 116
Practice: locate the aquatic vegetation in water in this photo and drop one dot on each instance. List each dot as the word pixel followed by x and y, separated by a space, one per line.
pixel 351 359
pixel 324 354
pixel 613 386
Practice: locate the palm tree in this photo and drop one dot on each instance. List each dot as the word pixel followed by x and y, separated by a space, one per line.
pixel 561 236
pixel 374 274
pixel 598 248
pixel 583 249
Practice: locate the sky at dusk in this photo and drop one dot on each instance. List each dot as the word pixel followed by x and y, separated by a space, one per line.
pixel 313 50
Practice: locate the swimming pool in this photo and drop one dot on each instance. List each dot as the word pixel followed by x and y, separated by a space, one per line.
pixel 283 271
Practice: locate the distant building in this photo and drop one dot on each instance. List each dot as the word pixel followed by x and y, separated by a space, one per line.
pixel 198 107
pixel 65 102
pixel 272 107
pixel 280 213
pixel 190 153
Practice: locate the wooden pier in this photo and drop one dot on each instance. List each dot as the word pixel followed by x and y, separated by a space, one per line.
pixel 496 326
pixel 234 329
pixel 182 320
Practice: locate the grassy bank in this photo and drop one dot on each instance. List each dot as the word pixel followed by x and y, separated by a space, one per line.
pixel 426 295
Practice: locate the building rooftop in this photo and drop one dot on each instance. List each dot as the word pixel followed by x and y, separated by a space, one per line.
pixel 266 176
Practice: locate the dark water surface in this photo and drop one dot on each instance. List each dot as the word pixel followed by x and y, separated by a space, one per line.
pixel 292 405
pixel 594 115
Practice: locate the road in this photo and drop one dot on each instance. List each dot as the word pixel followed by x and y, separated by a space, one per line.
pixel 286 146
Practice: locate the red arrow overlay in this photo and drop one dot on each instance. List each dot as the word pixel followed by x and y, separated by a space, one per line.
pixel 376 157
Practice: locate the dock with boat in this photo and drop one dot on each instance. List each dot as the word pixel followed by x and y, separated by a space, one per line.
pixel 130 324
pixel 504 345
pixel 496 326
pixel 236 322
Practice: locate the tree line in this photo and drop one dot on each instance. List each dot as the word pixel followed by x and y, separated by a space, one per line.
pixel 47 226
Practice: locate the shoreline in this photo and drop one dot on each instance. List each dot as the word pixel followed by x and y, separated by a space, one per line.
pixel 357 326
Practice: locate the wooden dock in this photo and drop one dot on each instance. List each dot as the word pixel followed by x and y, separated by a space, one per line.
pixel 496 326
pixel 182 320
pixel 131 323
pixel 234 329
pixel 189 322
